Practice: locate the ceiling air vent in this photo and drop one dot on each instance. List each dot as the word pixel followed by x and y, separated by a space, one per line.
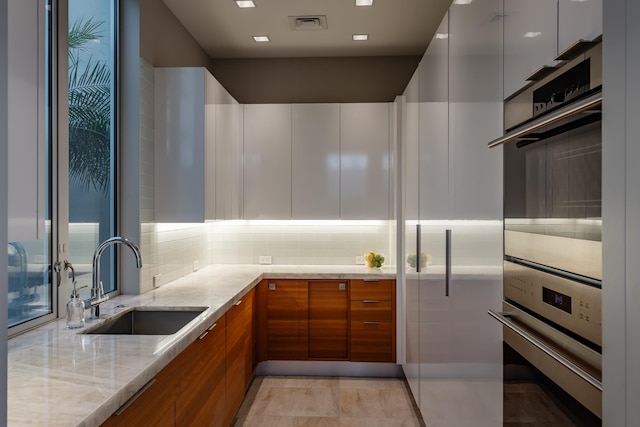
pixel 318 22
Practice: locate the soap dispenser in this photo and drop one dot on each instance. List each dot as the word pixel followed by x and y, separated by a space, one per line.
pixel 75 309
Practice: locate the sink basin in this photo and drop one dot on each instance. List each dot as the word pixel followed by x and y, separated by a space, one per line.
pixel 147 321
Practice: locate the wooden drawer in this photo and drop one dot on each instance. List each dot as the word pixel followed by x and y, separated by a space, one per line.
pixel 373 310
pixel 365 290
pixel 372 342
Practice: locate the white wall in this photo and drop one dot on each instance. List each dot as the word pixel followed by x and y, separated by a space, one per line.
pixel 3 210
pixel 621 213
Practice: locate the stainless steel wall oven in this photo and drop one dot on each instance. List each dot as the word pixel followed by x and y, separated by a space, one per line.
pixel 552 232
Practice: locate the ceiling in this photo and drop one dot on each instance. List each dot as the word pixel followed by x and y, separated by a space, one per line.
pixel 395 27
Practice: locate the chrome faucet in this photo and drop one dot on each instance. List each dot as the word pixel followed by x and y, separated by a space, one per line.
pixel 97 291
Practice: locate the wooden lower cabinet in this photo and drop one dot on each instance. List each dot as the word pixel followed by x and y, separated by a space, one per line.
pixel 239 348
pixel 284 320
pixel 155 405
pixel 201 396
pixel 205 384
pixel 328 320
pixel 372 324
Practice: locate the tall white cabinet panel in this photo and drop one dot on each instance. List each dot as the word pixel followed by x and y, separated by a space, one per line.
pixel 26 117
pixel 434 157
pixel 267 161
pixel 228 156
pixel 364 161
pixel 185 114
pixel 578 20
pixel 409 148
pixel 530 39
pixel 316 161
pixel 457 379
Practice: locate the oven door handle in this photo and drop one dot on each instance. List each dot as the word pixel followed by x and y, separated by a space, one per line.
pixel 503 318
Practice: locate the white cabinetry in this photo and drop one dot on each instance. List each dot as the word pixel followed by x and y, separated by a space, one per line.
pixel 228 156
pixel 365 163
pixel 530 39
pixel 453 349
pixel 535 32
pixel 26 117
pixel 578 20
pixel 197 153
pixel 316 161
pixel 267 161
pixel 185 145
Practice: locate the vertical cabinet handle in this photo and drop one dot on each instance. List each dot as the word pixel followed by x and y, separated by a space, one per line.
pixel 418 247
pixel 447 271
pixel 134 398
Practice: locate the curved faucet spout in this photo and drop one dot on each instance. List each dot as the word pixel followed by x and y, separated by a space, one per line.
pixel 97 291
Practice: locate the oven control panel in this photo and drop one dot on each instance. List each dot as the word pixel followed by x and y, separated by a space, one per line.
pixel 572 305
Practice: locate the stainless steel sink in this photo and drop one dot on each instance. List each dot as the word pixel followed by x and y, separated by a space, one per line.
pixel 147 321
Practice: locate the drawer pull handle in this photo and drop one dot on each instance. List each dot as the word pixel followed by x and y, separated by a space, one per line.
pixel 204 334
pixel 370 301
pixel 371 323
pixel 134 397
pixel 212 326
pixel 237 303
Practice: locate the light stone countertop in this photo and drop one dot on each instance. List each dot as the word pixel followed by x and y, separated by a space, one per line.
pixel 59 377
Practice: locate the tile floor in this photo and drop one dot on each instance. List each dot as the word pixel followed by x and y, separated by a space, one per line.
pixel 327 402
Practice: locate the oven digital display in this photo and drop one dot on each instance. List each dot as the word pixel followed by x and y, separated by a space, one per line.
pixel 556 299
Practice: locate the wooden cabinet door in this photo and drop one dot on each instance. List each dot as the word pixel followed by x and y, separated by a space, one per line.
pixel 285 320
pixel 155 403
pixel 239 352
pixel 328 320
pixel 201 400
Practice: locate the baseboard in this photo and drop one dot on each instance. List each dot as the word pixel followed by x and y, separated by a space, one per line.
pixel 329 369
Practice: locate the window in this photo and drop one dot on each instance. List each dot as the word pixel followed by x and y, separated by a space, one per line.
pixel 87 198
pixel 92 130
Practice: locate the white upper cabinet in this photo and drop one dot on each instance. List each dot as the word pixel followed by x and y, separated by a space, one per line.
pixel 228 155
pixel 267 161
pixel 433 157
pixel 185 115
pixel 578 20
pixel 316 161
pixel 530 39
pixel 26 118
pixel 475 113
pixel 365 163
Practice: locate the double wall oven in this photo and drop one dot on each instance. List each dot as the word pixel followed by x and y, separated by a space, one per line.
pixel 551 315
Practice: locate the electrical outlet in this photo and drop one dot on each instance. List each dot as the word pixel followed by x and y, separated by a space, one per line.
pixel 156 280
pixel 196 265
pixel 264 259
pixel 359 259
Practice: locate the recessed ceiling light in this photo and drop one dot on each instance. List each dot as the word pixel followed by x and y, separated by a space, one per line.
pixel 462 1
pixel 532 34
pixel 442 35
pixel 261 39
pixel 360 37
pixel 364 2
pixel 245 3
